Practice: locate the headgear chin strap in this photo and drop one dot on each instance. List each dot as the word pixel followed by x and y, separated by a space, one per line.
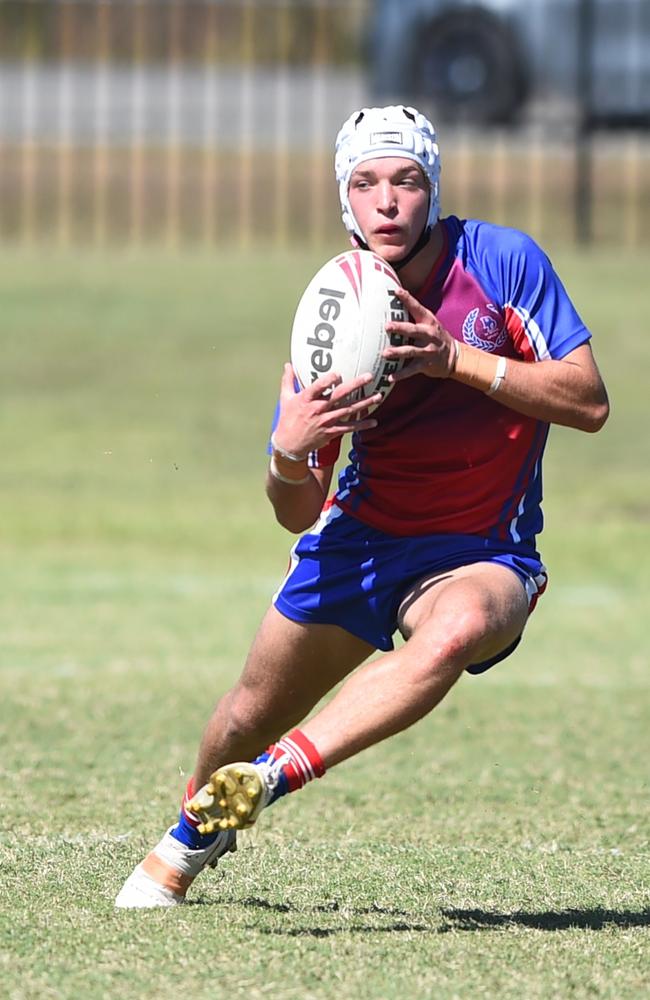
pixel 374 133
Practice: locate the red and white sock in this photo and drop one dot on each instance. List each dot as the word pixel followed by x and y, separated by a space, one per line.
pixel 297 759
pixel 188 816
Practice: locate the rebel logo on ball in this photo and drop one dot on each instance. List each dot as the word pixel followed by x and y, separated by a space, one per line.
pixel 322 339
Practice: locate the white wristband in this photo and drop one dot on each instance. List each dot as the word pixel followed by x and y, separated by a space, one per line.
pixel 275 472
pixel 499 376
pixel 286 454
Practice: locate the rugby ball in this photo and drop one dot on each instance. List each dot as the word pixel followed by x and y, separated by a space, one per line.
pixel 340 322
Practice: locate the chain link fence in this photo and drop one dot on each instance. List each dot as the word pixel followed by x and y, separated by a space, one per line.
pixel 208 121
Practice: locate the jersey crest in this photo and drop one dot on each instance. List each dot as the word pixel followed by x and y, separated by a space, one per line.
pixel 484 330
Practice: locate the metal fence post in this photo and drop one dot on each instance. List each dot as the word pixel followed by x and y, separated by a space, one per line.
pixel 583 196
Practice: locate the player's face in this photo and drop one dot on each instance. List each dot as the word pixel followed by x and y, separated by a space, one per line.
pixel 390 201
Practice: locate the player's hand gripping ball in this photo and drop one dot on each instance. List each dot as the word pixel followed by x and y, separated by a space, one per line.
pixel 340 322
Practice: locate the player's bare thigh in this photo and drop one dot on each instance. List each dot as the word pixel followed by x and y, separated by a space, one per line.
pixel 482 607
pixel 291 665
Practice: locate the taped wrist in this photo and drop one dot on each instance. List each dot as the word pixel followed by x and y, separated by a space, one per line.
pixel 286 470
pixel 288 467
pixel 479 369
pixel 290 455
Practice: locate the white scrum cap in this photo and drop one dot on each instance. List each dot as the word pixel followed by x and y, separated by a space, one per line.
pixel 393 131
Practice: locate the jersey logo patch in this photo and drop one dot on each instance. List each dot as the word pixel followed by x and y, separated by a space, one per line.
pixel 485 331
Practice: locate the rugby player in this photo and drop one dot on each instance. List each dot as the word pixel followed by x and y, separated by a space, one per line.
pixel 432 528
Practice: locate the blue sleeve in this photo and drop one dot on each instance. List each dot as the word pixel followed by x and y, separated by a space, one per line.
pixel 539 314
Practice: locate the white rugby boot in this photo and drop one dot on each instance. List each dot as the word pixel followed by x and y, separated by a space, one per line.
pixel 235 795
pixel 167 872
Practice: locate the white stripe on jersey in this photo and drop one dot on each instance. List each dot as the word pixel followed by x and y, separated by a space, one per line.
pixel 327 516
pixel 536 338
pixel 351 483
pixel 514 534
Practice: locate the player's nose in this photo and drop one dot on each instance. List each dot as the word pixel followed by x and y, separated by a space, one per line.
pixel 386 199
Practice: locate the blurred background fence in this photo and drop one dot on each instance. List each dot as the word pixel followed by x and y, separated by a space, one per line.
pixel 209 121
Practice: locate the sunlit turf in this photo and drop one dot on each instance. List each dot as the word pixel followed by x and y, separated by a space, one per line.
pixel 499 848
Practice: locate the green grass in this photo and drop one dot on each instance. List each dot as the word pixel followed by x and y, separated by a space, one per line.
pixel 138 555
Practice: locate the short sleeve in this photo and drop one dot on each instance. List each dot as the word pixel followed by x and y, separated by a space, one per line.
pixel 539 315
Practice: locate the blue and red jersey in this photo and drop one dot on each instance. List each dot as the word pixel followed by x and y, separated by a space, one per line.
pixel 447 458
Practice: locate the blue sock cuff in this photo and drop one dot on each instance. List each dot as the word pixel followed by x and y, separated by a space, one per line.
pixel 190 836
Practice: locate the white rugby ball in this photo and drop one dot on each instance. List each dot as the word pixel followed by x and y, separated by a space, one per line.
pixel 340 322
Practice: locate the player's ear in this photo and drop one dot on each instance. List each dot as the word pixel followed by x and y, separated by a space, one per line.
pixel 355 242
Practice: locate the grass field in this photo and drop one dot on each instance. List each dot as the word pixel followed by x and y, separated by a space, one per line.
pixel 137 557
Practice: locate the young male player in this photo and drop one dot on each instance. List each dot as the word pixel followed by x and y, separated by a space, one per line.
pixel 432 527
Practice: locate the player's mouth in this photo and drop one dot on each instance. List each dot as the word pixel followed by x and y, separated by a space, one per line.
pixel 388 230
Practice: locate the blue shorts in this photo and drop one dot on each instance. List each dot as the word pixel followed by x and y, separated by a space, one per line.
pixel 348 574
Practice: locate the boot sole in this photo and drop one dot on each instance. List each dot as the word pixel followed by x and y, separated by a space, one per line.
pixel 231 800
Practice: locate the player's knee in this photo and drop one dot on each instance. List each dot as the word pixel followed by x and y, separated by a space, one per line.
pixel 251 717
pixel 246 718
pixel 453 645
pixel 471 626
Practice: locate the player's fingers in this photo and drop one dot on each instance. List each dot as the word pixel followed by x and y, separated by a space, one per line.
pixel 345 389
pixel 288 381
pixel 408 352
pixel 406 372
pixel 419 312
pixel 355 425
pixel 358 406
pixel 405 330
pixel 322 385
pixel 409 332
pixel 429 329
pixel 415 367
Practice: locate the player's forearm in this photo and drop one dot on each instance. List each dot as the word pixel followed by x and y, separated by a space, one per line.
pixel 568 392
pixel 549 391
pixel 298 505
